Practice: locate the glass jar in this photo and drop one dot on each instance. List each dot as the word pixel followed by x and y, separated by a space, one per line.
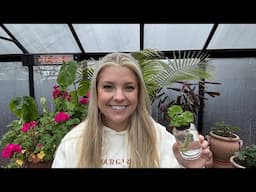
pixel 188 141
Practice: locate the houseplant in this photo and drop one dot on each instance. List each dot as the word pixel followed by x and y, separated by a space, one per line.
pixel 33 137
pixel 223 129
pixel 160 71
pixel 180 118
pixel 185 132
pixel 162 74
pixel 224 142
pixel 245 158
pixel 186 95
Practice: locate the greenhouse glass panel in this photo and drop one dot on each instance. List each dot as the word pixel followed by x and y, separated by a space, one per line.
pixel 4 34
pixel 109 37
pixel 176 36
pixel 234 36
pixel 13 83
pixel 45 77
pixel 44 38
pixel 8 47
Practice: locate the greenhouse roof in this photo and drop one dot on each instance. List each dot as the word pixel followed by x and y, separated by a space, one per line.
pixel 94 40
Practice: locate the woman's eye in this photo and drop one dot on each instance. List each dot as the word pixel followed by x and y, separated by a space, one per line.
pixel 107 87
pixel 129 88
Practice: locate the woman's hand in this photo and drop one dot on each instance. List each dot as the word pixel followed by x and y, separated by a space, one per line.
pixel 204 161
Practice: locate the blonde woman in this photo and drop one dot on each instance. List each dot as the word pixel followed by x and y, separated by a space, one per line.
pixel 119 131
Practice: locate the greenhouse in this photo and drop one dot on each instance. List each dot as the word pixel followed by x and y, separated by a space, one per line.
pixel 209 69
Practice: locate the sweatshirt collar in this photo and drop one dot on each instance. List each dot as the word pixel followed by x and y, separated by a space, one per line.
pixel 108 130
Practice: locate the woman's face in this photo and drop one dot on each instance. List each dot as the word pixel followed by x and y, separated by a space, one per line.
pixel 117 89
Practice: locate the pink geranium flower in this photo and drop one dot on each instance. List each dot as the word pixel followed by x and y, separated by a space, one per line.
pixel 28 125
pixel 58 93
pixel 85 99
pixel 61 117
pixel 10 149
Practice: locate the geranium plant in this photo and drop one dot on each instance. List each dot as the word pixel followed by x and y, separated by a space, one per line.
pixel 246 156
pixel 34 137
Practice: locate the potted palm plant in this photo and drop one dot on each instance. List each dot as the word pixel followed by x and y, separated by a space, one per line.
pixel 224 142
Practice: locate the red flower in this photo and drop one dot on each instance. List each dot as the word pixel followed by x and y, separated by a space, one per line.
pixel 58 93
pixel 28 125
pixel 10 149
pixel 61 117
pixel 84 100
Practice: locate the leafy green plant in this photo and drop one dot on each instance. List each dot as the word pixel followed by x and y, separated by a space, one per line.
pixel 179 117
pixel 224 129
pixel 162 74
pixel 160 71
pixel 246 156
pixel 187 96
pixel 34 137
pixel 184 130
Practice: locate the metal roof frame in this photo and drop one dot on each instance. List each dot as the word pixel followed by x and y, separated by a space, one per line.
pixel 213 53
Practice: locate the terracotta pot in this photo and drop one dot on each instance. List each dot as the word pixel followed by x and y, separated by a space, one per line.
pixel 224 147
pixel 220 164
pixel 234 164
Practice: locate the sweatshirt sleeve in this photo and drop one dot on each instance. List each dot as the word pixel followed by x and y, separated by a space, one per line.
pixel 59 159
pixel 66 155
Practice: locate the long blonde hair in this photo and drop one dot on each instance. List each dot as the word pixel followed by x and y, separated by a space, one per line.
pixel 141 131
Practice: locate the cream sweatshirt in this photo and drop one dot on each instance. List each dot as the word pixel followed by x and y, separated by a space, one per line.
pixel 115 148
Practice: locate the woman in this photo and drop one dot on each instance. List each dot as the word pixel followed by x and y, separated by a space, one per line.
pixel 119 130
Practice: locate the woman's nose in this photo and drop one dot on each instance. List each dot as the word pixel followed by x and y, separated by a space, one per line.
pixel 119 94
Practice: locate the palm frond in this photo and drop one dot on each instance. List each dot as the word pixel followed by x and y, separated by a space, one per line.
pixel 146 54
pixel 187 66
pixel 86 69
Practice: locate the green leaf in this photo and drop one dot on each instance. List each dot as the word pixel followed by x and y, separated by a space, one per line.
pixel 174 110
pixel 24 107
pixel 83 87
pixel 67 74
pixel 179 117
pixel 43 102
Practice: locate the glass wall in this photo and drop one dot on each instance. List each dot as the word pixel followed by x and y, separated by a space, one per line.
pixel 14 82
pixel 236 104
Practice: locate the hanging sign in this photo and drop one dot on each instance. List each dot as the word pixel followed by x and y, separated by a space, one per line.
pixel 52 59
